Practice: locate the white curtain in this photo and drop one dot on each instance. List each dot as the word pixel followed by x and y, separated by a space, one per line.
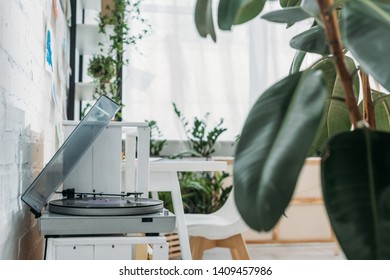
pixel 174 64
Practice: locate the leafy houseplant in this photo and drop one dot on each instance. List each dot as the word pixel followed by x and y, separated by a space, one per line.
pixel 316 110
pixel 201 139
pixel 106 67
pixel 202 192
pixel 102 68
pixel 157 143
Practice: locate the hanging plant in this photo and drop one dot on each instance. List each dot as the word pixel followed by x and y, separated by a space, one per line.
pixel 106 67
pixel 102 68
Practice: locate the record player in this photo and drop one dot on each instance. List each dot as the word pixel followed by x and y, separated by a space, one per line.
pixel 86 205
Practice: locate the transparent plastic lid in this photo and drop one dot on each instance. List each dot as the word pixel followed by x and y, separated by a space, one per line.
pixel 67 156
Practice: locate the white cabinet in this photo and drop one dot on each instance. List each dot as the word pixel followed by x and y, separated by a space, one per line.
pixel 104 248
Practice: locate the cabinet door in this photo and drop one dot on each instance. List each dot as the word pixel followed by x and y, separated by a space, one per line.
pixel 113 252
pixel 74 252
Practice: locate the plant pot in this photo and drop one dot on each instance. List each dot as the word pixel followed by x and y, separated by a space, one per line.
pixel 110 4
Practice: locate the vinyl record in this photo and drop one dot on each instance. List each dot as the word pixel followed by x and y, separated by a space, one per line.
pixel 105 206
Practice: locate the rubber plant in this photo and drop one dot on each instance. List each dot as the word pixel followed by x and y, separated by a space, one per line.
pixel 316 109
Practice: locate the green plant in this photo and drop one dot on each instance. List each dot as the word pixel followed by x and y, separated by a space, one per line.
pixel 290 118
pixel 203 192
pixel 102 67
pixel 201 138
pixel 111 61
pixel 156 141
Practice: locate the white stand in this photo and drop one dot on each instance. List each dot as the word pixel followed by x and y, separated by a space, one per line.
pixel 100 170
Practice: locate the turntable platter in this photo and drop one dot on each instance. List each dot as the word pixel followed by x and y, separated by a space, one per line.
pixel 105 206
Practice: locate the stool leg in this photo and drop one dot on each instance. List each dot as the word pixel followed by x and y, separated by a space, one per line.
pixel 237 247
pixel 197 247
pixel 242 250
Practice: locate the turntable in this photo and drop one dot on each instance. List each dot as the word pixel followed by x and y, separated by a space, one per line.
pixel 93 210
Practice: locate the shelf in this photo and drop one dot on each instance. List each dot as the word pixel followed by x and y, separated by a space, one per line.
pixel 84 91
pixel 88 37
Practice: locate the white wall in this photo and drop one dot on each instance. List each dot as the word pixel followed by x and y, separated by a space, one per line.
pixel 28 116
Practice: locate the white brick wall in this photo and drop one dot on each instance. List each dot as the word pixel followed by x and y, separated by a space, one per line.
pixel 28 117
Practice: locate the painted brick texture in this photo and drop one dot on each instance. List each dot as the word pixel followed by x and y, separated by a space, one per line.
pixel 28 117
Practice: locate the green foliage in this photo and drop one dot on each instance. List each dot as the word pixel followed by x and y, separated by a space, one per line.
pixel 357 198
pixel 289 3
pixel 202 139
pixel 301 113
pixel 102 68
pixel 203 192
pixel 157 142
pixel 288 114
pixel 106 67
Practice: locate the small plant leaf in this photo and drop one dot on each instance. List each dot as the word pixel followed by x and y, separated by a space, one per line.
pixel 312 40
pixel 232 12
pixel 273 146
pixel 356 190
pixel 288 15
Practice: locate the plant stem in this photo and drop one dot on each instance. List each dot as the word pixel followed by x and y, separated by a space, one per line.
pixel 332 31
pixel 368 109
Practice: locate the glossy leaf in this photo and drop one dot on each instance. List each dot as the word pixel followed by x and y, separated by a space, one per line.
pixel 382 112
pixel 366 33
pixel 356 191
pixel 273 146
pixel 335 120
pixel 232 12
pixel 249 10
pixel 336 115
pixel 312 40
pixel 204 19
pixel 297 62
pixel 288 15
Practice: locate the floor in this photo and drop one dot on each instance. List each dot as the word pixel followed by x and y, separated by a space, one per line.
pixel 299 251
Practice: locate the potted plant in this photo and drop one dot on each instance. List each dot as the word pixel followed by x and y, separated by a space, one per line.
pixel 286 120
pixel 106 67
pixel 200 137
pixel 203 192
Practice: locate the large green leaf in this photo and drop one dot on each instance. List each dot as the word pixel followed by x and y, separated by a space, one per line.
pixel 366 33
pixel 336 115
pixel 356 189
pixel 273 146
pixel 288 15
pixel 312 40
pixel 232 12
pixel 204 19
